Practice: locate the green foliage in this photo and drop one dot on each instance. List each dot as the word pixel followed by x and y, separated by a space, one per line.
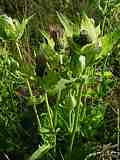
pixel 76 82
pixel 72 80
pixel 69 26
pixel 12 29
pixel 91 120
pixel 9 113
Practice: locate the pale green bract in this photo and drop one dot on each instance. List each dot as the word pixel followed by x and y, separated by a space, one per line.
pixel 88 25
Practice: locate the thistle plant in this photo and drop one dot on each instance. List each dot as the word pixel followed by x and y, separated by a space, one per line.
pixel 75 79
pixel 72 79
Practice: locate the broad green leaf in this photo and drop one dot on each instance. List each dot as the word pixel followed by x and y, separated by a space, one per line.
pixel 61 84
pixel 34 100
pixel 91 52
pixel 98 31
pixel 90 93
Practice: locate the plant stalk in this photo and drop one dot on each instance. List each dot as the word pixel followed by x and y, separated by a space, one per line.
pixel 76 118
pixel 56 106
pixel 18 48
pixel 49 112
pixel 34 106
pixel 118 134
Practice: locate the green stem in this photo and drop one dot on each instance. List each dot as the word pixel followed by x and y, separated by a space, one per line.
pixel 34 106
pixel 56 106
pixel 53 138
pixel 105 17
pixel 49 112
pixel 103 25
pixel 118 134
pixel 70 125
pixel 76 118
pixel 18 48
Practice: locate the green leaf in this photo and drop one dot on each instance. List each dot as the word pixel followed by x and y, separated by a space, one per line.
pixel 90 52
pixel 20 27
pixel 50 81
pixel 93 52
pixel 107 42
pixel 61 84
pixel 69 26
pixel 34 100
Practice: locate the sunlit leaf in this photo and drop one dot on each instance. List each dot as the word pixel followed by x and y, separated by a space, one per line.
pixel 82 62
